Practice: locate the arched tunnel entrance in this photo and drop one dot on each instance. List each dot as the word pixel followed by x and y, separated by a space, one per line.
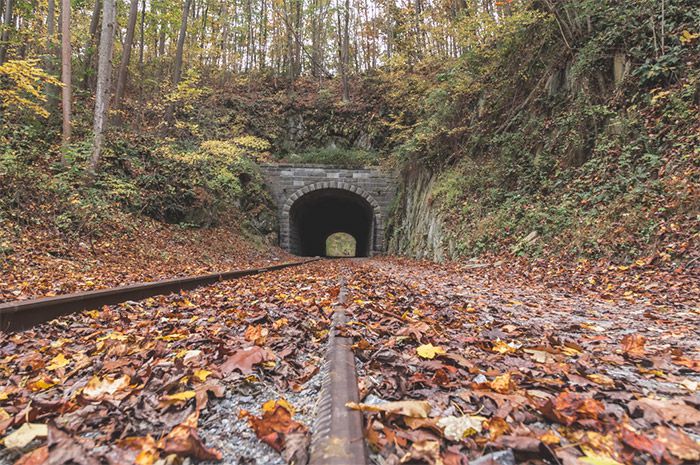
pixel 318 214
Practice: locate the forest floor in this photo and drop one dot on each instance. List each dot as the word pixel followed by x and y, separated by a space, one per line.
pixel 39 261
pixel 454 363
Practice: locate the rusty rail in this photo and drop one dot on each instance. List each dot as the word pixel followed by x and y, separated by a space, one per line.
pixel 23 314
pixel 338 437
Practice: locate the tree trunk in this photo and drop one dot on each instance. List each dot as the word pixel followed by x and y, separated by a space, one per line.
pixel 6 26
pixel 143 34
pixel 177 68
pixel 51 91
pixel 104 73
pixel 126 53
pixel 66 78
pixel 344 52
pixel 89 54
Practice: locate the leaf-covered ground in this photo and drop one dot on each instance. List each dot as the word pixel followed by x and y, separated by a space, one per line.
pixel 41 262
pixel 137 382
pixel 481 364
pixel 454 363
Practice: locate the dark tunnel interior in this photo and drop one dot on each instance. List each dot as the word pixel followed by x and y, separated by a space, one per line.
pixel 320 213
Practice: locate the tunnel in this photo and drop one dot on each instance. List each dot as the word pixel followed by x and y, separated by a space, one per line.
pixel 318 214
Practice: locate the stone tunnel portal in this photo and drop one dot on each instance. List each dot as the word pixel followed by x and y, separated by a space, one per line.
pixel 318 214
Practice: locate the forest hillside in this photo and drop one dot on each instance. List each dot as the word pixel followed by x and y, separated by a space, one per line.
pixel 537 129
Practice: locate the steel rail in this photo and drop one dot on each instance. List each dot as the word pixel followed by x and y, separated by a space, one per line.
pixel 337 435
pixel 23 314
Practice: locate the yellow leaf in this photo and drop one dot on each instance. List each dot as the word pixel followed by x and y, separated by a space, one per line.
pixel 3 414
pixel 597 459
pixel 25 434
pixel 504 348
pixel 601 379
pixel 99 388
pixel 202 374
pixel 173 337
pixel 40 385
pixel 179 397
pixel 429 351
pixel 502 384
pixel 59 361
pixel 114 335
pixel 92 313
pixel 550 438
pixel 271 406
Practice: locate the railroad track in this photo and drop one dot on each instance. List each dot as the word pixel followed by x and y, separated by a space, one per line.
pixel 337 432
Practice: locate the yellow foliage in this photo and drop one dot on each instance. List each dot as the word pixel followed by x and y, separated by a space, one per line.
pixel 21 83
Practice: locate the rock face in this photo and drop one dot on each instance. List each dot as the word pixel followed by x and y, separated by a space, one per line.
pixel 417 228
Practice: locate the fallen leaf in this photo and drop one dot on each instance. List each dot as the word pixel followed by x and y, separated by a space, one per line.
pixel 678 443
pixel 673 411
pixel 178 397
pixel 25 434
pixel 276 424
pixel 36 457
pixel 458 428
pixel 408 408
pixel 244 359
pixel 424 451
pixel 184 441
pixel 599 459
pixel 59 361
pixel 633 344
pixel 429 351
pixel 568 407
pixel 503 347
pixel 643 443
pixel 105 388
pixel 503 384
pixel 202 374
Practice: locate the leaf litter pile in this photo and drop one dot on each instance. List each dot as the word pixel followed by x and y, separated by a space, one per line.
pixel 456 368
pixel 143 382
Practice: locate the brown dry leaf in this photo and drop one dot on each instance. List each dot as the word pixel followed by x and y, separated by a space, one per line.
pixel 275 424
pixel 257 334
pixel 66 449
pixel 633 344
pixel 143 450
pixel 244 359
pixel 407 408
pixel 568 407
pixel 424 451
pixel 36 457
pixel 678 443
pixel 184 441
pixel 497 427
pixel 673 411
pixel 643 443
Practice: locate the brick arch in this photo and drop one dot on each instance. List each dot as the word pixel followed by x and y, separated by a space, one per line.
pixel 377 229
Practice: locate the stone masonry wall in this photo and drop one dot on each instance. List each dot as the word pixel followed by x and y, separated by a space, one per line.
pixel 287 183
